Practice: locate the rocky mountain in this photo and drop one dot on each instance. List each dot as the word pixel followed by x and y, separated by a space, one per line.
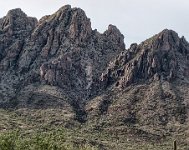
pixel 146 85
pixel 61 62
pixel 60 51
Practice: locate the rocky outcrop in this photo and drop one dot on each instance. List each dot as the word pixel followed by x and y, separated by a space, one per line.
pixel 60 50
pixel 145 85
pixel 162 57
pixel 67 53
pixel 15 27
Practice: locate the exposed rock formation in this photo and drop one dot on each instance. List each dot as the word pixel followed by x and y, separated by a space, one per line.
pixel 15 27
pixel 162 57
pixel 60 61
pixel 60 50
pixel 146 85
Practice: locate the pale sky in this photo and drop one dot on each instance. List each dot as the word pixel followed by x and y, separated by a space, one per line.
pixel 136 19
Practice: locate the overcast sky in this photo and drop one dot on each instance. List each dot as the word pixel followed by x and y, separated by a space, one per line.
pixel 136 19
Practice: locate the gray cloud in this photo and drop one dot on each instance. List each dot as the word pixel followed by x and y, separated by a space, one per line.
pixel 137 19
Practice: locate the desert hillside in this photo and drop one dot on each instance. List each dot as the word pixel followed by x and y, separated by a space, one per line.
pixel 60 79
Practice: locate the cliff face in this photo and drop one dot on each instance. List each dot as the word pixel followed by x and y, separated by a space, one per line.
pixel 146 85
pixel 59 61
pixel 54 60
pixel 162 57
pixel 15 28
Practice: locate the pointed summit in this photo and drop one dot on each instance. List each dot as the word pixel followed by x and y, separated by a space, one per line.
pixel 17 20
pixel 169 36
pixel 71 22
pixel 16 12
pixel 65 7
pixel 114 34
pixel 165 40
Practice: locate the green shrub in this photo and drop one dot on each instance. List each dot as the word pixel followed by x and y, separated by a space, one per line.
pixel 52 140
pixel 8 141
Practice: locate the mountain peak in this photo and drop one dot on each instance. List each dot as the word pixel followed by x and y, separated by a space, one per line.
pixel 64 7
pixel 167 31
pixel 169 36
pixel 165 40
pixel 114 34
pixel 67 9
pixel 16 11
pixel 17 20
pixel 72 22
